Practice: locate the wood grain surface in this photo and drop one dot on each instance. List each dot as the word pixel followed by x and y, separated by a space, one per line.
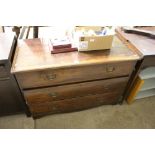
pixel 34 54
pixel 74 104
pixel 51 77
pixel 50 94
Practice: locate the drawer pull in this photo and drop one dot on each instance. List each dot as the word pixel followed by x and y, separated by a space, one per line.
pixel 110 69
pixel 53 95
pixel 48 76
pixel 51 76
pixel 106 87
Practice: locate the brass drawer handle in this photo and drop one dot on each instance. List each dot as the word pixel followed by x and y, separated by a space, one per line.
pixel 51 76
pixel 106 87
pixel 53 95
pixel 48 76
pixel 110 69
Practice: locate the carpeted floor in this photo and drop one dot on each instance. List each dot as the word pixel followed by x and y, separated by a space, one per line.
pixel 141 114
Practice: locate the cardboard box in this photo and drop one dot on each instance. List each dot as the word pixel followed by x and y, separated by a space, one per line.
pixel 92 42
pixel 95 28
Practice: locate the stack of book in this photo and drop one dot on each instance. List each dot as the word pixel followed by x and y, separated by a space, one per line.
pixel 62 46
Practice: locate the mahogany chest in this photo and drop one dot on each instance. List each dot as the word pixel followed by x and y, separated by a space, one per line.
pixel 67 82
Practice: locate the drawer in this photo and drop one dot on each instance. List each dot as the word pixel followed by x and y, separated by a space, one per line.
pixel 53 77
pixel 74 104
pixel 50 94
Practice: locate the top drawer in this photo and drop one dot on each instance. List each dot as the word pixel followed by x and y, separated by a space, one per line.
pixel 52 77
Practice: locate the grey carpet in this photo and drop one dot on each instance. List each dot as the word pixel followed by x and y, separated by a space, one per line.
pixel 141 114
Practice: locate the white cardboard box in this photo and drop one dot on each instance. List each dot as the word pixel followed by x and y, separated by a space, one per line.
pixel 91 42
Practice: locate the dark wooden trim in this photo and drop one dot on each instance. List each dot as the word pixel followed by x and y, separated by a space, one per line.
pixel 35 31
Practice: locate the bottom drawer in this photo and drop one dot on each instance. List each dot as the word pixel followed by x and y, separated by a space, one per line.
pixel 74 104
pixel 63 92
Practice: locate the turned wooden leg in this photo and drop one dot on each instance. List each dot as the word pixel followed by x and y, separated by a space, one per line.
pixel 16 29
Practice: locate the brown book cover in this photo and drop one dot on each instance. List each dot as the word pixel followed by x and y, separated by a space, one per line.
pixel 62 46
pixel 64 50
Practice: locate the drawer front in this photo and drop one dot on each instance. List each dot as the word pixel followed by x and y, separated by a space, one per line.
pixel 50 94
pixel 74 74
pixel 74 104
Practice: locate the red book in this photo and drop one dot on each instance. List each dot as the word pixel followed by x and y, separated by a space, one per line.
pixel 62 46
pixel 64 50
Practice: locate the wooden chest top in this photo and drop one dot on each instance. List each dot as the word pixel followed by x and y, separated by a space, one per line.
pixel 34 54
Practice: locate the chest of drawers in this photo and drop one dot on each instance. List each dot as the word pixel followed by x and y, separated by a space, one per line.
pixel 11 100
pixel 66 82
